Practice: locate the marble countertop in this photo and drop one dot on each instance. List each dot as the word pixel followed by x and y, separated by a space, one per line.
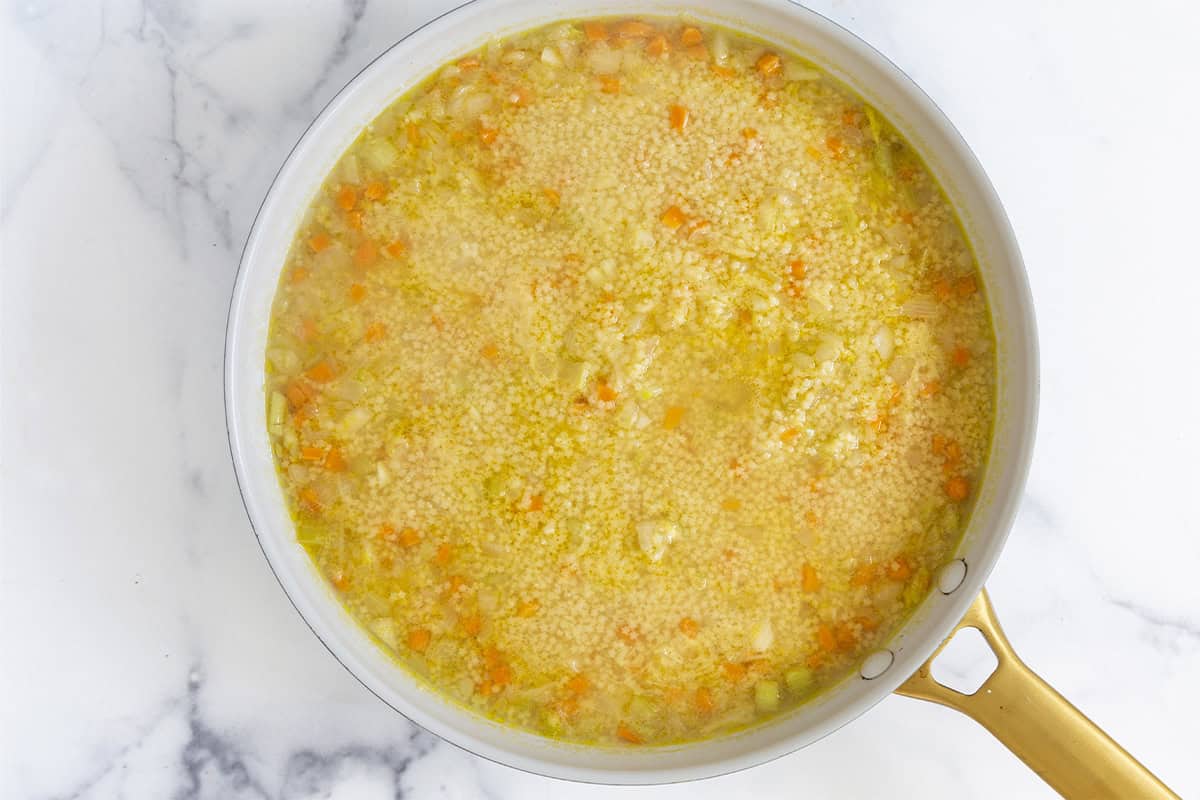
pixel 149 653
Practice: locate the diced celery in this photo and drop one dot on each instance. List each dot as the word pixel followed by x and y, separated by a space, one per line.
pixel 276 412
pixel 798 679
pixel 766 696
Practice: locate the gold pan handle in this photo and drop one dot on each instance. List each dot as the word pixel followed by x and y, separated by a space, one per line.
pixel 1037 723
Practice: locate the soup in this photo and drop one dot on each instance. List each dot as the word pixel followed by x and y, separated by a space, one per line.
pixel 628 380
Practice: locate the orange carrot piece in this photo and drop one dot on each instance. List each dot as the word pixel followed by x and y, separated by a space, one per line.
pixel 413 133
pixel 628 734
pixel 957 488
pixel 704 700
pixel 734 671
pixel 319 242
pixel 357 292
pixel 722 72
pixel 943 289
pixel 788 435
pixel 698 52
pixel 536 503
pixel 340 580
pixel 836 147
pixel 469 63
pixel 863 576
pixel 826 639
pixel 366 254
pixel 610 84
pixel 578 684
pixel 731 504
pixel 604 392
pixel 346 198
pixel 899 568
pixel 472 624
pixel 961 356
pixel 309 499
pixel 768 64
pixel 810 582
pixel 595 31
pixel 689 627
pixel 965 286
pixel 673 217
pixel 409 537
pixel 321 372
pixel 375 332
pixel 419 639
pixel 679 116
pixel 354 220
pixel 443 555
pixel 334 460
pixel 310 453
pixel 673 417
pixel 657 46
pixel 690 37
pixel 520 96
pixel 552 196
pixel 374 191
pixel 396 249
pixel 528 608
pixel 797 269
pixel 930 388
pixel 487 135
pixel 490 352
pixel 299 275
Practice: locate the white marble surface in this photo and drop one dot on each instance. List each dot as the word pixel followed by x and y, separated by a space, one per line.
pixel 147 651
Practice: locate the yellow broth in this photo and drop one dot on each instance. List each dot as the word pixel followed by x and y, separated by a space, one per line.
pixel 628 380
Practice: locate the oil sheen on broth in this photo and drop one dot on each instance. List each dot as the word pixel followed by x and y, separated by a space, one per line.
pixel 628 380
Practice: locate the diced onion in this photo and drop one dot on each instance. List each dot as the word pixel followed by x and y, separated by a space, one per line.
pixel 764 637
pixel 884 342
pixel 920 306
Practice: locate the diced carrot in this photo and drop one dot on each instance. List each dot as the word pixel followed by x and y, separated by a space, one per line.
pixel 704 700
pixel 437 322
pixel 722 72
pixel 419 639
pixel 528 608
pixel 578 684
pixel 536 503
pixel 443 555
pixel 321 372
pixel 413 133
pixel 863 576
pixel 310 453
pixel 953 452
pixel 634 29
pixel 309 499
pixel 340 580
pixel 690 37
pixel 679 116
pixel 899 568
pixel 826 638
pixel 346 197
pixel 810 582
pixel 374 191
pixel 689 627
pixel 484 687
pixel 930 388
pixel 965 286
pixel 673 217
pixel 469 63
pixel 943 289
pixel 334 460
pixel 734 671
pixel 500 675
pixel 357 292
pixel 604 392
pixel 595 31
pixel 957 488
pixel 375 332
pixel 937 444
pixel 697 52
pixel 396 249
pixel 673 417
pixel 812 152
pixel 410 537
pixel 552 196
pixel 789 434
pixel 354 220
pixel 628 734
pixel 487 135
pixel 657 46
pixel 731 504
pixel 297 394
pixel 961 356
pixel 835 146
pixel 815 660
pixel 907 217
pixel 472 624
pixel 797 269
pixel 299 275
pixel 366 254
pixel 319 242
pixel 768 64
pixel 846 636
pixel 490 352
pixel 609 84
pixel 850 117
pixel 520 96
pixel 387 532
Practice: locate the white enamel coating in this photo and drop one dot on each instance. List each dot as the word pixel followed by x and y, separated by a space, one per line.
pixel 393 73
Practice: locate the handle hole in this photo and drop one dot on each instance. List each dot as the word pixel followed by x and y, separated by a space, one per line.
pixel 966 662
